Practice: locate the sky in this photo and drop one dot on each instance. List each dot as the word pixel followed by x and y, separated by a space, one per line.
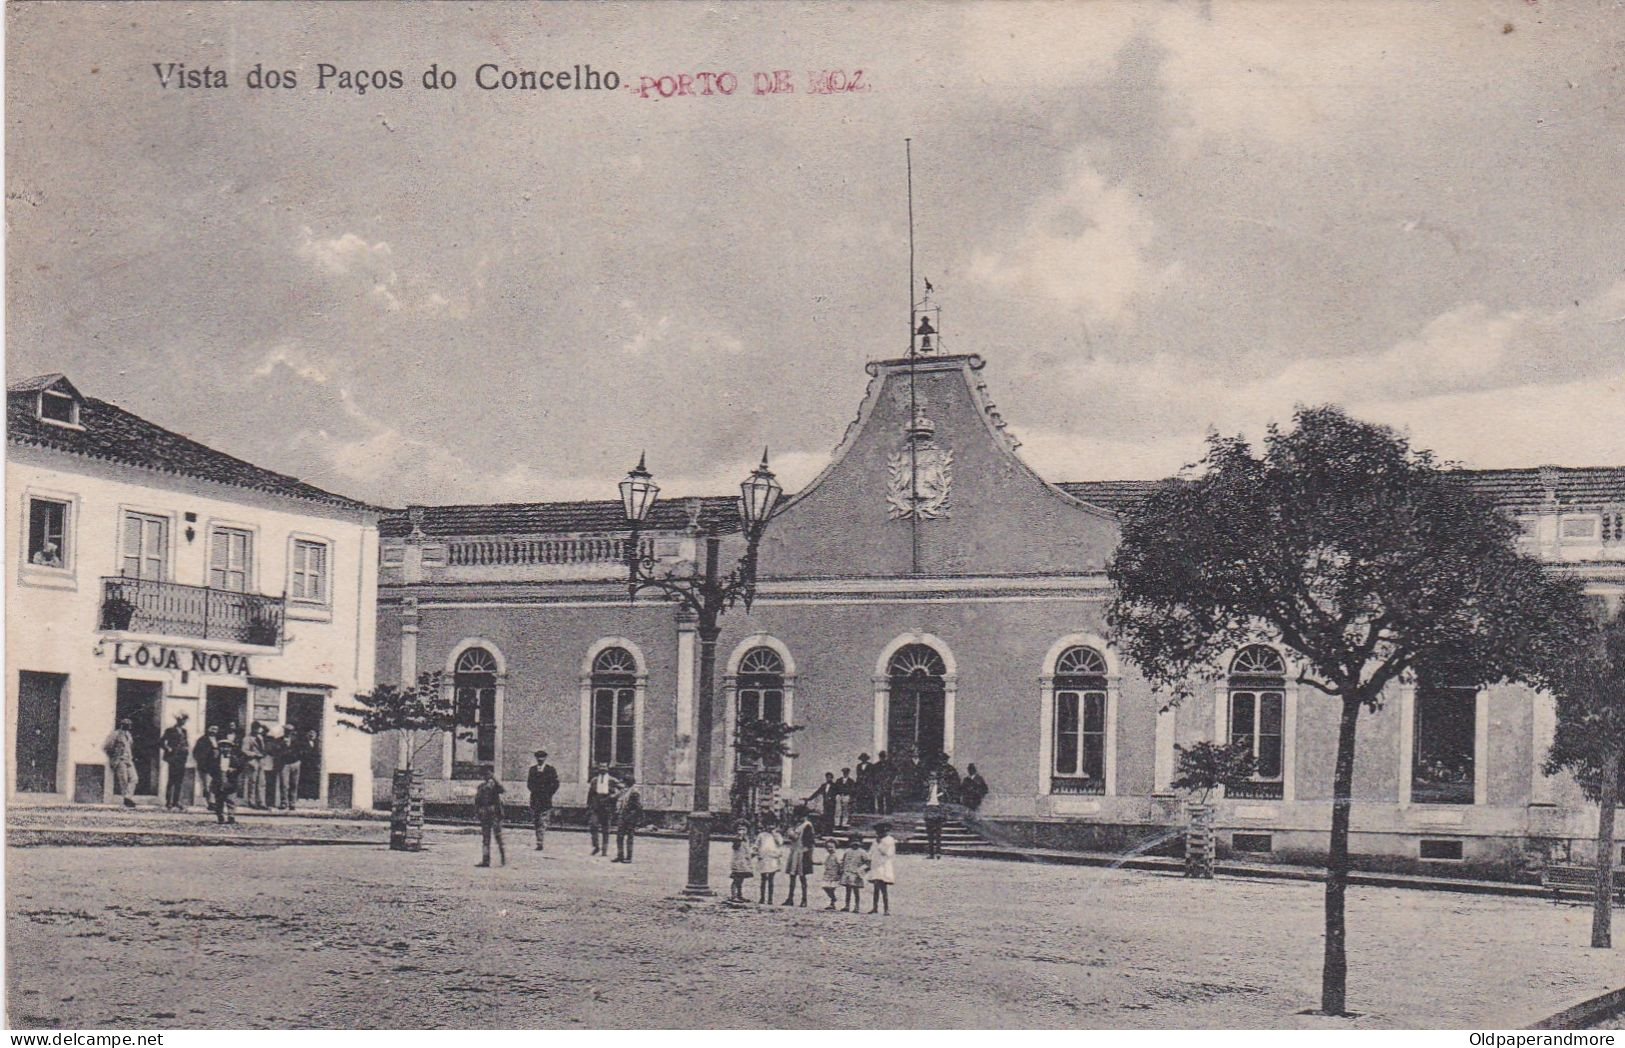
pixel 1151 221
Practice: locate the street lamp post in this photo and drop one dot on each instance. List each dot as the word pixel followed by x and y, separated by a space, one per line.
pixel 706 596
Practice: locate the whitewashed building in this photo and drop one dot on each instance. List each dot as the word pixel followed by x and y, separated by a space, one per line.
pixel 150 576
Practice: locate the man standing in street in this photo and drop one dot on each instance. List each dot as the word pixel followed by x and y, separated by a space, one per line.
pixel 543 783
pixel 488 810
pixel 120 750
pixel 206 755
pixel 176 747
pixel 292 760
pixel 601 807
pixel 628 814
pixel 225 780
pixel 845 787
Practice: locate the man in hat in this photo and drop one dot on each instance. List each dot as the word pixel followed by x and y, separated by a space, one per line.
pixel 488 810
pixel 175 746
pixel 628 814
pixel 120 750
pixel 225 780
pixel 290 763
pixel 543 783
pixel 863 799
pixel 601 789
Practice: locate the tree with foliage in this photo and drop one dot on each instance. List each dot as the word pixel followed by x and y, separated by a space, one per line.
pixel 760 748
pixel 1590 744
pixel 423 708
pixel 1359 553
pixel 1206 766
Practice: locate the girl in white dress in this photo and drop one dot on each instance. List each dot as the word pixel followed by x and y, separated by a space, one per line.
pixel 769 855
pixel 882 867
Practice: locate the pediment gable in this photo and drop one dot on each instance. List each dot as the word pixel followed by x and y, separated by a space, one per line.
pixel 928 481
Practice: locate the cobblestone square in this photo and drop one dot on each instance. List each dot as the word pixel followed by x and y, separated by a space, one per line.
pixel 357 936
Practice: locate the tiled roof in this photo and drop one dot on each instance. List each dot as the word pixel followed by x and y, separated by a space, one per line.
pixel 1115 495
pixel 1531 488
pixel 1512 489
pixel 109 433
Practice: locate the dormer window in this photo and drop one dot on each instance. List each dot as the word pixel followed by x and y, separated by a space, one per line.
pixel 60 408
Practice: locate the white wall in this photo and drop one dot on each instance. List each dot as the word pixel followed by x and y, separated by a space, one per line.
pixel 53 617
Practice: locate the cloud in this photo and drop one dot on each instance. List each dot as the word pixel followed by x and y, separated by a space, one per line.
pixel 353 261
pixel 639 334
pixel 1084 248
pixel 1279 74
pixel 295 358
pixel 1485 386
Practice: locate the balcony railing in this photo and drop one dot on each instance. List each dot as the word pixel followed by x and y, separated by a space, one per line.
pixel 575 549
pixel 1076 786
pixel 1254 791
pixel 171 609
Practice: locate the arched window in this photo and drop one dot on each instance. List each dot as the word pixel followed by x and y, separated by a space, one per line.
pixel 1257 700
pixel 614 710
pixel 474 743
pixel 760 691
pixel 916 717
pixel 1080 722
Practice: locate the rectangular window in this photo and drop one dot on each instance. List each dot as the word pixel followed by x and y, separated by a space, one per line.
pixel 761 704
pixel 47 533
pixel 231 551
pixel 1439 850
pixel 1580 527
pixel 1252 842
pixel 1443 753
pixel 613 719
pixel 1080 734
pixel 307 579
pixel 146 547
pixel 474 743
pixel 1256 723
pixel 57 407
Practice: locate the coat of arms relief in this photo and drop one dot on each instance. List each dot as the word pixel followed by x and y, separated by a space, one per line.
pixel 921 473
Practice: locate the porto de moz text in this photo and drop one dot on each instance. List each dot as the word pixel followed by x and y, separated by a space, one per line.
pixel 328 76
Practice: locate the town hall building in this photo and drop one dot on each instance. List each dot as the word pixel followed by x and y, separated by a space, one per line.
pixel 928 592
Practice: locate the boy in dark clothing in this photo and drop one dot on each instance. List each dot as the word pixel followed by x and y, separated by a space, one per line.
pixel 227 776
pixel 628 814
pixel 488 810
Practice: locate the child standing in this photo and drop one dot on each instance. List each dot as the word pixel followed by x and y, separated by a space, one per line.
pixel 744 861
pixel 832 871
pixel 488 809
pixel 852 863
pixel 769 853
pixel 881 867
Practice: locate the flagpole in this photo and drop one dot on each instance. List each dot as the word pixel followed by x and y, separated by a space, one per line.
pixel 908 430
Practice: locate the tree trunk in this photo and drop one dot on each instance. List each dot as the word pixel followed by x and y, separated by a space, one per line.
pixel 1602 913
pixel 1334 972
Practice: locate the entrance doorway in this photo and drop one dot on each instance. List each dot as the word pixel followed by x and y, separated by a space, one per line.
pixel 916 717
pixel 305 714
pixel 142 703
pixel 39 730
pixel 226 709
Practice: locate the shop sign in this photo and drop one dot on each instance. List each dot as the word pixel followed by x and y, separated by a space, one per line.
pixel 186 660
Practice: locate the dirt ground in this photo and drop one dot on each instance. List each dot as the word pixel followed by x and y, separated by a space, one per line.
pixel 355 936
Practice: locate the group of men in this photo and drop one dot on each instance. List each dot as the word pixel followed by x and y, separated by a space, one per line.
pixel 877 785
pixel 610 802
pixel 262 767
